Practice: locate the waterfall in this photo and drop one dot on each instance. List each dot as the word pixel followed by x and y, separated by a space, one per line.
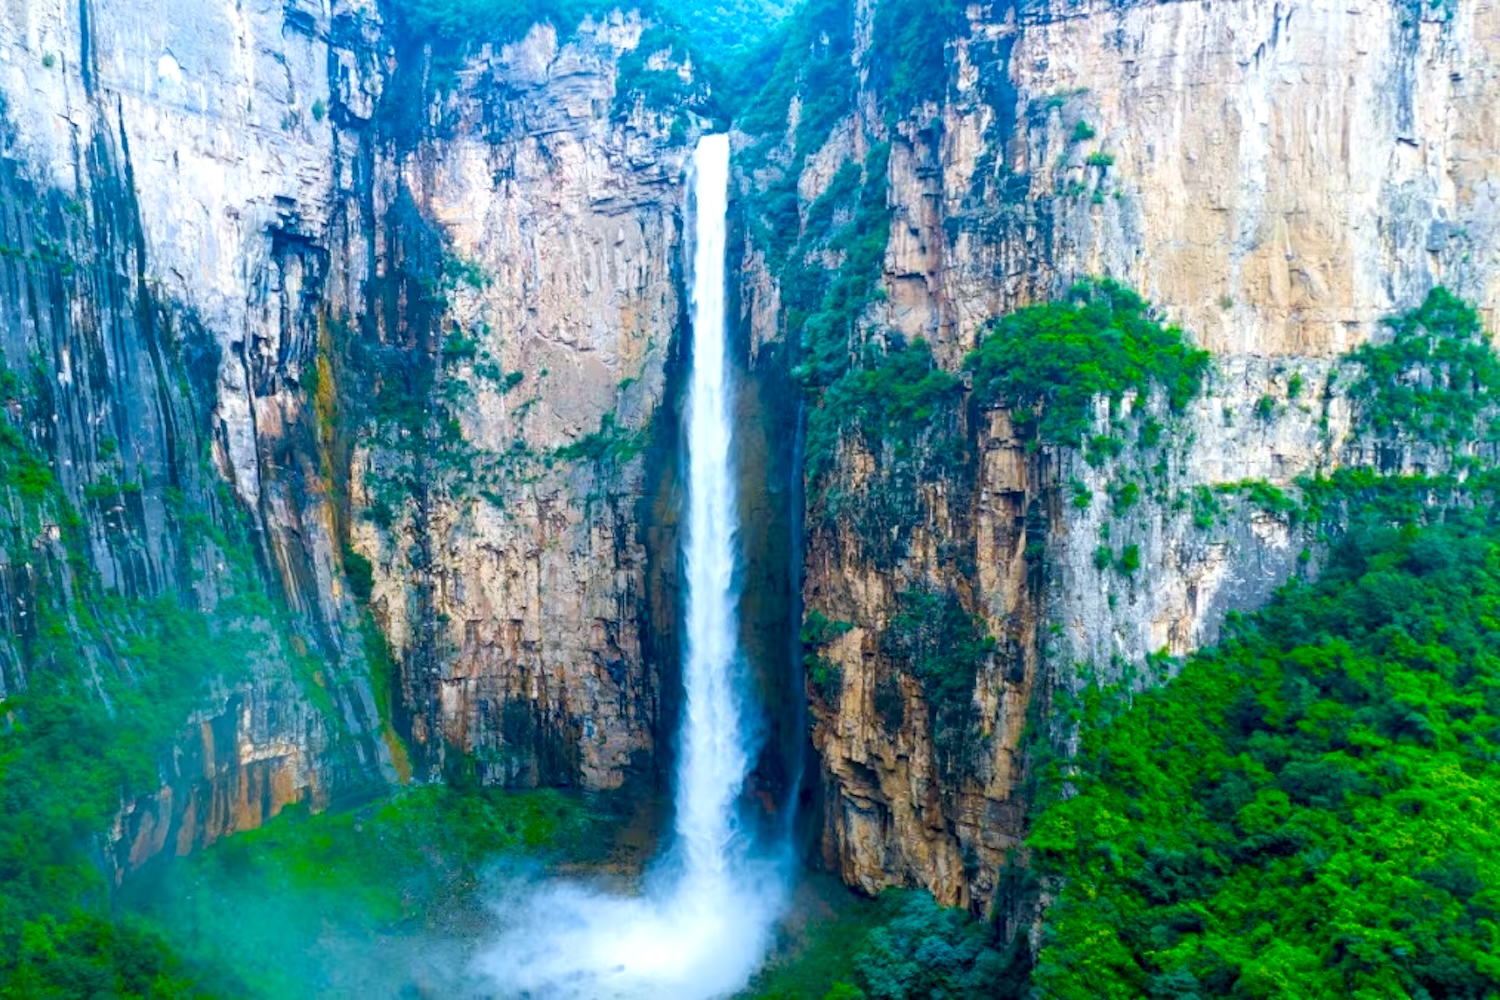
pixel 714 757
pixel 703 925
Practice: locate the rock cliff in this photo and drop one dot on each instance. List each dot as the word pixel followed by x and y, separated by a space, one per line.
pixel 1276 178
pixel 354 358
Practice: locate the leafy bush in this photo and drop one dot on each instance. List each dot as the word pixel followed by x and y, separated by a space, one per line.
pixel 305 904
pixel 1047 363
pixel 818 630
pixel 1436 380
pixel 893 402
pixel 610 444
pixel 498 21
pixel 926 950
pixel 809 60
pixel 899 946
pixel 1304 811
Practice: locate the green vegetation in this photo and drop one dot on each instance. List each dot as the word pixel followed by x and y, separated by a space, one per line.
pixel 1125 496
pixel 932 638
pixel 22 469
pixel 1305 810
pixel 660 87
pixel 1259 493
pixel 92 659
pixel 340 903
pixel 808 60
pixel 609 444
pixel 823 313
pixel 907 59
pixel 1047 363
pixel 891 404
pixel 497 21
pixel 902 946
pixel 1437 379
pixel 818 630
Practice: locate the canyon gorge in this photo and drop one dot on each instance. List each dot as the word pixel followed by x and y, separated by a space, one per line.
pixel 347 362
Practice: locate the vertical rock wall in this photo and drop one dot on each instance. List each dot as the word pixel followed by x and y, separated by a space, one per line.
pixel 1277 179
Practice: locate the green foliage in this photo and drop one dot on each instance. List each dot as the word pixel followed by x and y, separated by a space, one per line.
pixel 497 21
pixel 359 572
pixel 1104 557
pixel 730 32
pixel 809 60
pixel 1047 363
pixel 86 955
pixel 365 857
pixel 901 946
pixel 932 638
pixel 826 323
pixel 1082 131
pixel 661 87
pixel 1437 379
pixel 610 444
pixel 1099 158
pixel 1083 496
pixel 1126 496
pixel 925 950
pixel 111 681
pixel 893 403
pixel 1206 508
pixel 818 630
pixel 68 761
pixel 1262 494
pixel 904 411
pixel 907 60
pixel 268 908
pixel 1130 559
pixel 21 468
pixel 1304 811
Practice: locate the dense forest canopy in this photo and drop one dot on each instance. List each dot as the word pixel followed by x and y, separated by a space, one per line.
pixel 1307 810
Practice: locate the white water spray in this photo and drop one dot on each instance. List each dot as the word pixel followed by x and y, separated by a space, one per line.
pixel 704 924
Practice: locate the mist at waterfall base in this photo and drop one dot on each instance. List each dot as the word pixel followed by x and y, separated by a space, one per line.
pixel 703 923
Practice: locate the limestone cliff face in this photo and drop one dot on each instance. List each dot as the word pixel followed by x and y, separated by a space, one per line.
pixel 160 166
pixel 1277 179
pixel 319 343
pixel 516 539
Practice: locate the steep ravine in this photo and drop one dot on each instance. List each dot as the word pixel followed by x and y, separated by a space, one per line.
pixel 361 365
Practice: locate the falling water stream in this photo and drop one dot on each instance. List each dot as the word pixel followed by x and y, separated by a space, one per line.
pixel 703 923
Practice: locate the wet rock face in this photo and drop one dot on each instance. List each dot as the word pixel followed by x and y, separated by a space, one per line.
pixel 1277 181
pixel 391 349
